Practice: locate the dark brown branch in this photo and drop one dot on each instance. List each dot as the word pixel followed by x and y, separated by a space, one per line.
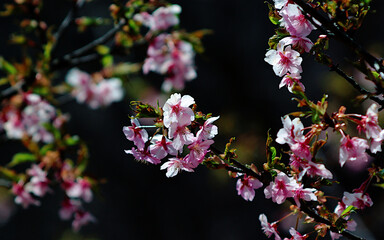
pixel 307 210
pixel 263 177
pixel 354 84
pixel 77 61
pixel 340 35
pixel 67 20
pixel 103 39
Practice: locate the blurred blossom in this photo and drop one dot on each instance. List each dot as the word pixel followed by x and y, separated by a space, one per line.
pixel 170 56
pixel 100 94
pixel 30 120
pixel 161 19
pixel 81 219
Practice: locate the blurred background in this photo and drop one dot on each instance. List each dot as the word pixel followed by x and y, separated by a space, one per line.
pixel 137 201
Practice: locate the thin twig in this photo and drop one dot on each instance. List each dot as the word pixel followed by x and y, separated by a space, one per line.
pixel 341 35
pixel 354 84
pixel 307 210
pixel 78 52
pixel 67 20
pixel 77 61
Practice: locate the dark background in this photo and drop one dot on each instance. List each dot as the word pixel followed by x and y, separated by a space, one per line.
pixel 138 201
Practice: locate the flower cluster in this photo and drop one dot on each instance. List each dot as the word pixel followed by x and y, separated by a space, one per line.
pixel 96 92
pixel 354 149
pixel 270 229
pixel 76 188
pixel 351 148
pixel 285 59
pixel 292 134
pixel 28 115
pixel 178 121
pixel 284 187
pixel 161 19
pixel 298 182
pixel 173 57
pixel 36 184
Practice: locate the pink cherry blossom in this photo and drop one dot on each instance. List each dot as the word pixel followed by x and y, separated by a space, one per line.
pixel 370 124
pixel 68 208
pixel 81 188
pixel 208 130
pixel 181 136
pixel 82 218
pixel 308 167
pixel 357 199
pixel 176 110
pixel 106 92
pixel 35 115
pixel 352 149
pixel 281 188
pixel 143 155
pixel 280 3
pixel 175 166
pixel 306 194
pixel 302 44
pixel 161 19
pixel 81 83
pixel 38 184
pixel 284 60
pixel 173 57
pixel 161 146
pixel 268 228
pixel 295 22
pixel 246 186
pixel 30 120
pixel 134 133
pixel 289 80
pixel 296 235
pixel 12 124
pixel 22 196
pixel 95 94
pixel 197 151
pixel 317 169
pixel 292 134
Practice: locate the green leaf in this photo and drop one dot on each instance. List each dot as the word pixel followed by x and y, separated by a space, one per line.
pixel 380 185
pixel 102 49
pixel 132 24
pixel 273 15
pixel 273 151
pixel 9 174
pixel 348 211
pixel 48 50
pixel 107 60
pixel 72 140
pixel 6 66
pixel 19 158
pixel 46 148
pixel 315 117
pixel 3 81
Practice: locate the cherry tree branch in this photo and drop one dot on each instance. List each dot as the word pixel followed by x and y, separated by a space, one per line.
pixel 265 179
pixel 78 52
pixel 354 84
pixel 341 35
pixel 67 20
